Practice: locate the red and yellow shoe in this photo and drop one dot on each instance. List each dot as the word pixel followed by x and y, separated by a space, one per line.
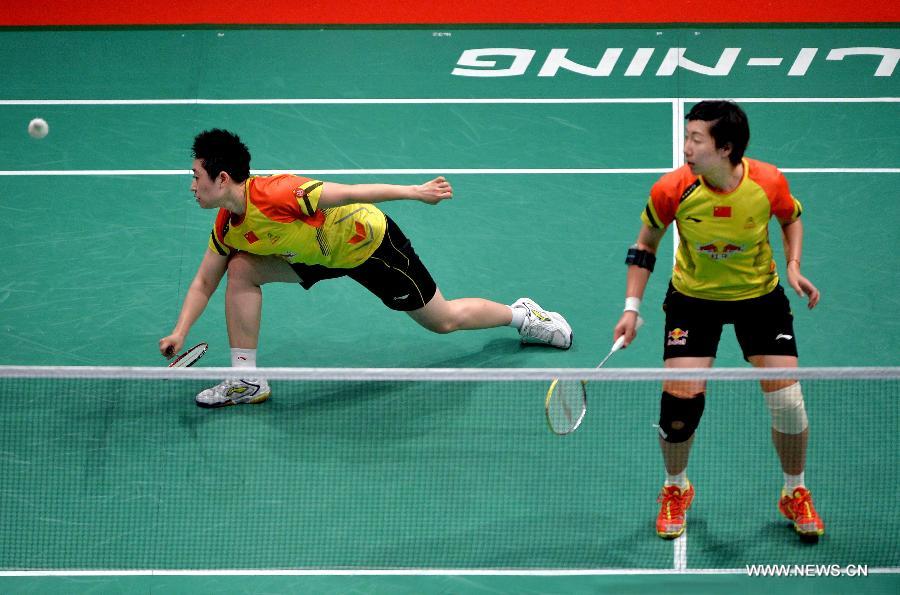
pixel 674 503
pixel 798 508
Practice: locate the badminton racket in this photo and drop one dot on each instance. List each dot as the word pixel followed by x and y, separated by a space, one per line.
pixel 566 401
pixel 189 357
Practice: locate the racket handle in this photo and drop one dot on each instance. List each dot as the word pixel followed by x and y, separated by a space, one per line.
pixel 621 340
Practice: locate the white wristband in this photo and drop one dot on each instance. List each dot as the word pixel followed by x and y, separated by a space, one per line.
pixel 633 304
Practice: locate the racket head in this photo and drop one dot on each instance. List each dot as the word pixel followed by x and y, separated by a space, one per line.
pixel 565 405
pixel 189 357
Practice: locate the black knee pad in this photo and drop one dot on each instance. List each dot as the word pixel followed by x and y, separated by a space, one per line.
pixel 678 418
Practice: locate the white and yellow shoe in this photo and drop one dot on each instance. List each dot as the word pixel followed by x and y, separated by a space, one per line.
pixel 543 326
pixel 234 391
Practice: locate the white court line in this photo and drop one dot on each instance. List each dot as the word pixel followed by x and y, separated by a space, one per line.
pixel 431 171
pixel 679 554
pixel 397 572
pixel 434 100
pixel 677 108
pixel 803 99
pixel 339 101
pixel 838 170
pixel 266 172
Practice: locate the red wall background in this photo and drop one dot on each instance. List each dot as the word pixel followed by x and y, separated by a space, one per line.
pixel 356 12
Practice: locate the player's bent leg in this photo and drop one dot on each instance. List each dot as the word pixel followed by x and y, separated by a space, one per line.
pixel 243 306
pixel 443 316
pixel 243 295
pixel 681 407
pixel 678 420
pixel 676 451
pixel 440 315
pixel 790 434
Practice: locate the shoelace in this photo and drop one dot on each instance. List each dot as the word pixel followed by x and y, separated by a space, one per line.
pixel 673 499
pixel 542 329
pixel 223 387
pixel 801 506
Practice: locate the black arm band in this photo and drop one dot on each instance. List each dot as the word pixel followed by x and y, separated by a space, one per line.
pixel 641 258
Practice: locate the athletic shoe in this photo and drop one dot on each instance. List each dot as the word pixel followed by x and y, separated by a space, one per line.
pixel 674 504
pixel 798 508
pixel 541 326
pixel 234 391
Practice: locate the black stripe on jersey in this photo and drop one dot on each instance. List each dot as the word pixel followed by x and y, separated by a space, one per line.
pixel 306 192
pixel 689 190
pixel 651 218
pixel 218 246
pixel 320 238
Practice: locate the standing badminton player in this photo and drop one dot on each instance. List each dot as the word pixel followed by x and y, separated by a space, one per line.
pixel 292 229
pixel 724 273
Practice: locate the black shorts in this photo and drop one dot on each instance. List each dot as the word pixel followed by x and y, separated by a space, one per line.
pixel 763 325
pixel 393 272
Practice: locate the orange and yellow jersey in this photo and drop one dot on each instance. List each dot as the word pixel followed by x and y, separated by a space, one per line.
pixel 724 251
pixel 282 218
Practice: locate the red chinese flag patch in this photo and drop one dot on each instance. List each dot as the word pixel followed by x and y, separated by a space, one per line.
pixel 251 237
pixel 721 211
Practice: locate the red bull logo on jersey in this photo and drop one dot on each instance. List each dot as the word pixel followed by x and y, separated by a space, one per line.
pixel 677 337
pixel 719 250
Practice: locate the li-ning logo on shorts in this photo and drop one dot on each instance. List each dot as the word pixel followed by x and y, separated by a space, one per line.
pixel 677 337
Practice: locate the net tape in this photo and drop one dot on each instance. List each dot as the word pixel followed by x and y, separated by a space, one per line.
pixel 458 374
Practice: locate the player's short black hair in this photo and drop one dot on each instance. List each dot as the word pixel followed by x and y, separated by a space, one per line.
pixel 220 150
pixel 729 125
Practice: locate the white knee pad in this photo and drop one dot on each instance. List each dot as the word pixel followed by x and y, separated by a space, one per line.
pixel 786 407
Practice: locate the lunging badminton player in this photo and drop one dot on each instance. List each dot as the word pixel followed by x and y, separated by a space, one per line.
pixel 292 229
pixel 724 273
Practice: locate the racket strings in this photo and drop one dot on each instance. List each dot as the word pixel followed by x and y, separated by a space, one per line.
pixel 566 406
pixel 190 357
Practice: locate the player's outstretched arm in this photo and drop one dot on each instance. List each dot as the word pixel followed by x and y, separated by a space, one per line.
pixel 210 272
pixel 431 192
